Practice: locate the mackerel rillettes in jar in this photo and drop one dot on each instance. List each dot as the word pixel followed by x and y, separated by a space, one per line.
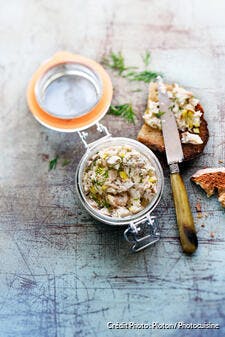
pixel 119 181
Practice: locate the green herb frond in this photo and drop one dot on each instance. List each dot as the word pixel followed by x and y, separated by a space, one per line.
pixel 146 58
pixel 116 62
pixel 125 110
pixel 65 162
pixel 159 114
pixel 143 76
pixel 53 163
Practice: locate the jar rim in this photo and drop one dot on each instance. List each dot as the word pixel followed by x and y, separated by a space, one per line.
pixel 68 70
pixel 79 123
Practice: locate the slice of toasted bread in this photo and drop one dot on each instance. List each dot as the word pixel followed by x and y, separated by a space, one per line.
pixel 211 179
pixel 153 138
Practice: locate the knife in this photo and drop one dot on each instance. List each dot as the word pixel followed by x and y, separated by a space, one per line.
pixel 174 155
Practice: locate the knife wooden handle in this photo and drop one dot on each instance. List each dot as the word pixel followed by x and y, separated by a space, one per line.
pixel 185 220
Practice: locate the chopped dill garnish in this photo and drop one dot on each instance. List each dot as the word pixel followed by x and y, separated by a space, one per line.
pixel 142 76
pixel 116 62
pixel 65 162
pixel 125 110
pixel 146 58
pixel 159 114
pixel 100 170
pixel 105 204
pixel 53 163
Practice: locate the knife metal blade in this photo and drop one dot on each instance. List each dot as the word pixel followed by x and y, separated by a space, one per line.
pixel 174 152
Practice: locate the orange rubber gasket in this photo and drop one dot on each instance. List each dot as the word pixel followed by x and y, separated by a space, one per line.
pixel 78 123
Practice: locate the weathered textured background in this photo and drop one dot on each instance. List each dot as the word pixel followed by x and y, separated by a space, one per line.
pixel 61 273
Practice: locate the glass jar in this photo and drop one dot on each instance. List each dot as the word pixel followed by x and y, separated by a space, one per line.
pixel 135 222
pixel 65 73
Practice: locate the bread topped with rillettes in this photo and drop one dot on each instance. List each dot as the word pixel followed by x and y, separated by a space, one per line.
pixel 189 116
pixel 211 179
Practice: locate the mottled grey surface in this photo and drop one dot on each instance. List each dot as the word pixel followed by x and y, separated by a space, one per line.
pixel 61 273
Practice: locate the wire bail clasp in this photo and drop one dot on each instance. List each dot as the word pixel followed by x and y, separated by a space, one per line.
pixel 142 233
pixel 84 135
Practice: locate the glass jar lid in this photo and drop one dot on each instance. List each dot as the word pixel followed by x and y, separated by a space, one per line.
pixel 69 92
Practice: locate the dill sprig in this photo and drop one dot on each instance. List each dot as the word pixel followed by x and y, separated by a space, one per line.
pixel 53 163
pixel 146 58
pixel 65 162
pixel 159 114
pixel 116 62
pixel 143 76
pixel 125 110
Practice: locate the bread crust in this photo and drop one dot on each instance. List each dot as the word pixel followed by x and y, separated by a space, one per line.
pixel 154 140
pixel 210 180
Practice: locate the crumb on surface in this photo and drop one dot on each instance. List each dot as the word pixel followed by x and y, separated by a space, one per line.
pixel 44 156
pixel 199 215
pixel 198 207
pixel 212 235
pixel 203 225
pixel 220 161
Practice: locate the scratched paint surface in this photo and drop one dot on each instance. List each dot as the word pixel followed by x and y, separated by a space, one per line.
pixel 62 274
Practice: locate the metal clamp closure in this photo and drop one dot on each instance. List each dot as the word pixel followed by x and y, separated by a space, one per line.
pixel 84 134
pixel 143 233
